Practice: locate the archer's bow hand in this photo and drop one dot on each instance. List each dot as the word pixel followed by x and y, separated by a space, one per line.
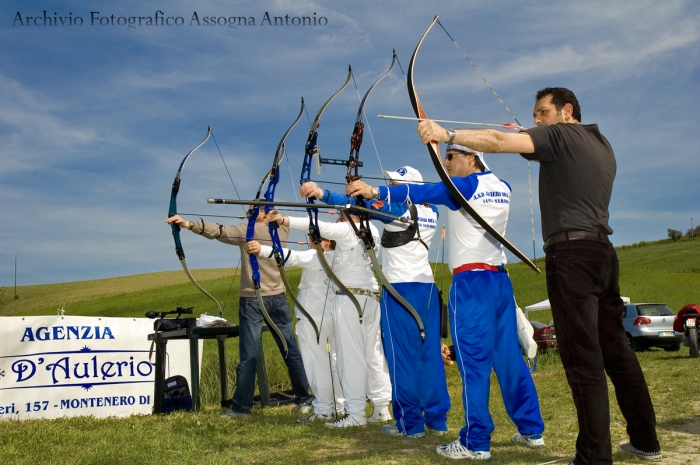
pixel 273 216
pixel 310 190
pixel 177 219
pixel 253 247
pixel 360 188
pixel 430 131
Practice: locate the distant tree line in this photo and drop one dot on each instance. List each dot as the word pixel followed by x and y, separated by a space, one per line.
pixel 675 235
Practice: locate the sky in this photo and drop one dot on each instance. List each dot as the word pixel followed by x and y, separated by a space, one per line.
pixel 96 115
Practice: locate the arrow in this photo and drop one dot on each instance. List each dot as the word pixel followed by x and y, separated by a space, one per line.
pixel 508 126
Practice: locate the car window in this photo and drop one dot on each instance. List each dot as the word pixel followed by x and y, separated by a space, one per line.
pixel 654 310
pixel 537 324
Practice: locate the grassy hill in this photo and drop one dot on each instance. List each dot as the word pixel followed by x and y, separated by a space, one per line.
pixel 661 271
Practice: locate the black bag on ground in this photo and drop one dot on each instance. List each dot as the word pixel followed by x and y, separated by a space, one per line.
pixel 176 394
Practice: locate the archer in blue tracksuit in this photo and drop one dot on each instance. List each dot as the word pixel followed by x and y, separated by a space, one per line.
pixel 420 399
pixel 481 303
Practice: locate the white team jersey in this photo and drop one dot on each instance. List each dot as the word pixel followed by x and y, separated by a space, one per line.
pixel 351 266
pixel 409 263
pixel 314 293
pixel 468 242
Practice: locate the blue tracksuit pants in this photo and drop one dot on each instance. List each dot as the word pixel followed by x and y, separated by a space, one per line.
pixel 419 388
pixel 483 324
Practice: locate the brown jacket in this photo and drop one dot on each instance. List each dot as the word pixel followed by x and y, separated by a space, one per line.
pixel 270 281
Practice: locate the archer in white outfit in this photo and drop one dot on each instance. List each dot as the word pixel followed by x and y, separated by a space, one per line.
pixel 319 355
pixel 361 363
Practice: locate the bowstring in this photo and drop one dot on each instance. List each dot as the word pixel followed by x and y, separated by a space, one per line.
pixel 240 256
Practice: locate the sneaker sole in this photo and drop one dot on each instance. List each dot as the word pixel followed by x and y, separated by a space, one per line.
pixel 435 432
pixel 525 443
pixel 647 458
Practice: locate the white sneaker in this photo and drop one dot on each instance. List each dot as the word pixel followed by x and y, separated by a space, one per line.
pixel 346 422
pixel 304 407
pixel 380 415
pixel 534 441
pixel 455 450
pixel 435 432
pixel 314 417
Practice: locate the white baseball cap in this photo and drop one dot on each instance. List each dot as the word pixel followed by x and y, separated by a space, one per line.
pixel 405 174
pixel 461 148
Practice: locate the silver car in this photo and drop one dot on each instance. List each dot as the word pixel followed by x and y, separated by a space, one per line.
pixel 650 325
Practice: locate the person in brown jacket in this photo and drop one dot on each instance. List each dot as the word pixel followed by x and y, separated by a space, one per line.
pixel 250 316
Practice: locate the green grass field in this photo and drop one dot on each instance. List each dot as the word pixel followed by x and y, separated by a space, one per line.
pixel 661 271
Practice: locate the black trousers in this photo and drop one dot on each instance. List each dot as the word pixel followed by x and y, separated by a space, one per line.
pixel 583 289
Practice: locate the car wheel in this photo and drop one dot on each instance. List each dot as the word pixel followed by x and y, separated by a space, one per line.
pixel 636 346
pixel 693 339
pixel 673 348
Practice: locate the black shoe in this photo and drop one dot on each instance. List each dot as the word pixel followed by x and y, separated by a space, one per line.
pixel 640 454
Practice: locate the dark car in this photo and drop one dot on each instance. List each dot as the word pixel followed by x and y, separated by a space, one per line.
pixel 650 325
pixel 545 336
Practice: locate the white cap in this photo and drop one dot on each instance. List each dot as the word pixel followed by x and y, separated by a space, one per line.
pixel 461 148
pixel 405 174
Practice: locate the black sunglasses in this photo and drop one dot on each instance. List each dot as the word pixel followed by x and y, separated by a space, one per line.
pixel 449 156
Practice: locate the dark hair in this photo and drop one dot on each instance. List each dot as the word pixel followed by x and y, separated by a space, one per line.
pixel 477 162
pixel 331 243
pixel 560 97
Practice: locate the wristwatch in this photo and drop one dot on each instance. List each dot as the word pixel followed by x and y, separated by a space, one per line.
pixel 451 133
pixel 375 192
pixel 190 226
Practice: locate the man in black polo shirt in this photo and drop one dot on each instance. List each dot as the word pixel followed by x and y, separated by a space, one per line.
pixel 577 169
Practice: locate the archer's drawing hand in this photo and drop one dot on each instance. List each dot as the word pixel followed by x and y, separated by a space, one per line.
pixel 311 190
pixel 361 188
pixel 429 131
pixel 253 247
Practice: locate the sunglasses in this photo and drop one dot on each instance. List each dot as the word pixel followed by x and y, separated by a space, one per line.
pixel 449 156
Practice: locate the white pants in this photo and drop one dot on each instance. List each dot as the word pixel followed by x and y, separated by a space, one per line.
pixel 361 362
pixel 318 367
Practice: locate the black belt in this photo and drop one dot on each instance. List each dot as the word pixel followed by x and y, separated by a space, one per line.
pixel 575 236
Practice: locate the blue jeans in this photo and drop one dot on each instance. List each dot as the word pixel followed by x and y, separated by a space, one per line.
pixel 251 321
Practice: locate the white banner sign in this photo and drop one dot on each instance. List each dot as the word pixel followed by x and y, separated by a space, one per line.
pixel 66 366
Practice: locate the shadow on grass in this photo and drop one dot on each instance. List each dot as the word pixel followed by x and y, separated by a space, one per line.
pixel 690 425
